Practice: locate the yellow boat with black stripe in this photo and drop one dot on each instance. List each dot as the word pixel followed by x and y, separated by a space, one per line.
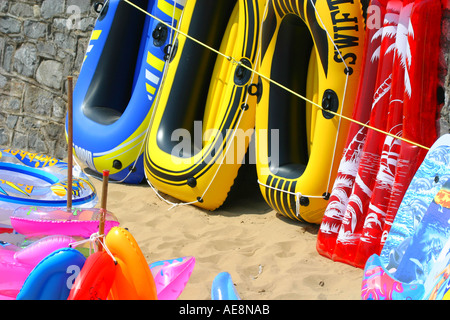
pixel 205 116
pixel 314 48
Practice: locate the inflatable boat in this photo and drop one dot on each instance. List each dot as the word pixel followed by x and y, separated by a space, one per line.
pixel 206 112
pixel 118 84
pixel 315 49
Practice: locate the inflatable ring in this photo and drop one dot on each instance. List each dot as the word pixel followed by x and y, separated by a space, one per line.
pixel 95 279
pixel 38 180
pixel 39 221
pixel 118 84
pixel 133 279
pixel 53 277
pixel 17 263
pixel 311 47
pixel 205 117
pixel 98 274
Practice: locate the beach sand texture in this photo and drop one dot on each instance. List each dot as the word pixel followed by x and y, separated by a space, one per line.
pixel 268 256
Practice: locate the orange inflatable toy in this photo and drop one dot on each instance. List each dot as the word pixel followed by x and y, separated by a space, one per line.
pixel 133 279
pixel 95 279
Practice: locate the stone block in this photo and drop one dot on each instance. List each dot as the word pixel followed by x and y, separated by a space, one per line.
pixel 54 131
pixel 38 102
pixel 49 73
pixel 84 6
pixel 11 121
pixel 59 109
pixel 30 124
pixel 26 60
pixel 21 10
pixel 35 30
pixel 5 138
pixel 51 8
pixel 10 25
pixel 10 104
pixel 46 49
pixel 4 5
pixel 19 141
pixel 36 142
pixel 65 42
pixel 8 56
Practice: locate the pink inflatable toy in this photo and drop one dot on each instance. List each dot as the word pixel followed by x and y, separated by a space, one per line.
pixel 17 263
pixel 171 276
pixel 39 221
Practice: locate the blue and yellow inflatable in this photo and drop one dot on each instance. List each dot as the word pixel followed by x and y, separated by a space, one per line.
pixel 118 84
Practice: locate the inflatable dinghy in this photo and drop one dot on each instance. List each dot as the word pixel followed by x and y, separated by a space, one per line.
pixel 298 144
pixel 118 84
pixel 206 116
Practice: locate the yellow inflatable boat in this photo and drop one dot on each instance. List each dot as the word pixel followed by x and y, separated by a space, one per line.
pixel 314 48
pixel 205 116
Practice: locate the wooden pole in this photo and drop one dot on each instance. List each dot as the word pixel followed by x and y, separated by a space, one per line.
pixel 69 142
pixel 101 226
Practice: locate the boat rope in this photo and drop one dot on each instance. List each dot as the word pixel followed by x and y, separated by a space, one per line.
pixel 233 135
pixel 93 240
pixel 240 64
pixel 347 73
pixel 254 72
pixel 155 106
pixel 240 117
pixel 299 195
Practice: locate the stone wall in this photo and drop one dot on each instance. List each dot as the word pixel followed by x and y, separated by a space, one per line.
pixel 44 41
pixel 41 43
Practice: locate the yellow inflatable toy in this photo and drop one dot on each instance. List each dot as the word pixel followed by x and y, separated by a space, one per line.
pixel 314 48
pixel 133 279
pixel 205 116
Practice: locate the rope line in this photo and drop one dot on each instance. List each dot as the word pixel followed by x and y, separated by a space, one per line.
pixel 343 100
pixel 235 62
pixel 240 64
pixel 93 239
pixel 173 205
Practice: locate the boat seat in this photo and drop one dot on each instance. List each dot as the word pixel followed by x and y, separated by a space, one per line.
pixel 102 115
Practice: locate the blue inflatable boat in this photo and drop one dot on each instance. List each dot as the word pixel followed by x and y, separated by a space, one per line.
pixel 118 84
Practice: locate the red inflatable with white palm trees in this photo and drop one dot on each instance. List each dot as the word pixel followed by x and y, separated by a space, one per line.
pixel 345 179
pixel 370 184
pixel 422 100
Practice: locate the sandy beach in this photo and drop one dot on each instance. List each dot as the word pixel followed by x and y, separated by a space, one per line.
pixel 268 256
